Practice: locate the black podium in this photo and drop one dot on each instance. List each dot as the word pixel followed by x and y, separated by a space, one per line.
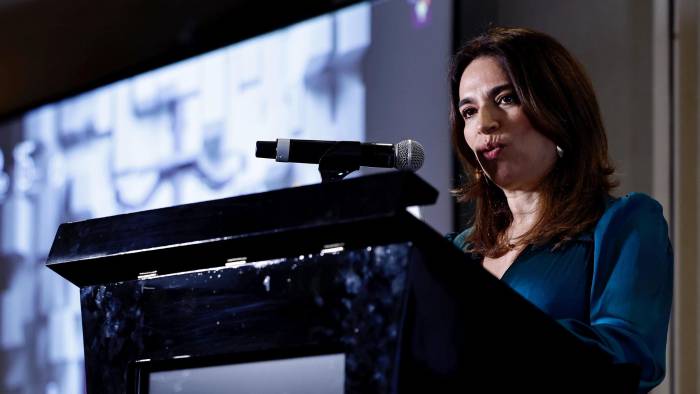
pixel 327 288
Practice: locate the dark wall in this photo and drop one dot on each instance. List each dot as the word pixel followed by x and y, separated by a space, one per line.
pixel 406 79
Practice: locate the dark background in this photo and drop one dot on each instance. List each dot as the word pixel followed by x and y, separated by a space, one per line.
pixel 52 49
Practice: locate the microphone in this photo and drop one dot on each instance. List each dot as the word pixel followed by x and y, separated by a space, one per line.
pixel 405 155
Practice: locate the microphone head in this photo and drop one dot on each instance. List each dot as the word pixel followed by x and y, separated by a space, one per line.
pixel 409 155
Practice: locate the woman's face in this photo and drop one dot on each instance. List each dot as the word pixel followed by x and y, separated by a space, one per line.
pixel 510 151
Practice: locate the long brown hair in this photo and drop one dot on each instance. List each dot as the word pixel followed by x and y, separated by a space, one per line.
pixel 558 99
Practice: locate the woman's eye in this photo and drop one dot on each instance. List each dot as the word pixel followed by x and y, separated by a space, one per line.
pixel 507 99
pixel 468 112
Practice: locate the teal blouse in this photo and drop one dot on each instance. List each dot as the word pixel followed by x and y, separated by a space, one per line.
pixel 611 287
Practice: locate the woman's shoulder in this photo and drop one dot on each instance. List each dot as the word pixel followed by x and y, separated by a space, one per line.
pixel 632 203
pixel 636 209
pixel 459 239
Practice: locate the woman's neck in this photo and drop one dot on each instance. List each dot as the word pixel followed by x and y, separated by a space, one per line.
pixel 525 208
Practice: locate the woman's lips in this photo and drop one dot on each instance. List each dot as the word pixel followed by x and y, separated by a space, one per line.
pixel 493 152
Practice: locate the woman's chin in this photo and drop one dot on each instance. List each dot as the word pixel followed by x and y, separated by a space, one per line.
pixel 506 181
pixel 504 185
pixel 501 178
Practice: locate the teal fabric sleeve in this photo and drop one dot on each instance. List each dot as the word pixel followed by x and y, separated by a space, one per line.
pixel 631 287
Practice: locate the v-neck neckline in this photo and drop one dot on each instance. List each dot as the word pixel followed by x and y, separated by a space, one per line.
pixel 519 257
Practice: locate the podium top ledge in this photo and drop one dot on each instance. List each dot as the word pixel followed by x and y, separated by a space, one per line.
pixel 289 211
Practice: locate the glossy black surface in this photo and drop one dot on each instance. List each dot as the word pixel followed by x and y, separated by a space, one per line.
pixel 349 302
pixel 171 240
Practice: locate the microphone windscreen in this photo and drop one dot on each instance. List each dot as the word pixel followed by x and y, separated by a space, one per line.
pixel 409 155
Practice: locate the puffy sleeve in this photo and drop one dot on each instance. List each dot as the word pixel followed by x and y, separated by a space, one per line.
pixel 631 287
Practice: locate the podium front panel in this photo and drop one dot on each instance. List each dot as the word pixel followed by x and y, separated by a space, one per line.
pixel 345 303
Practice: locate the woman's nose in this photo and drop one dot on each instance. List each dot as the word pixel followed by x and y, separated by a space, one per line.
pixel 488 122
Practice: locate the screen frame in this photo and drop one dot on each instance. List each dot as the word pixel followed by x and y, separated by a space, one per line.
pixel 139 371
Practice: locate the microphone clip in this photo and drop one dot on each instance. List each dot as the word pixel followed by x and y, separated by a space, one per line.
pixel 339 160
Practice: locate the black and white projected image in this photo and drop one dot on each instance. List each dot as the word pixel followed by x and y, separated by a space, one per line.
pixel 179 134
pixel 304 375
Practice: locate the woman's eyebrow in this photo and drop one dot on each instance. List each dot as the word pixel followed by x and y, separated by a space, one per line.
pixel 494 91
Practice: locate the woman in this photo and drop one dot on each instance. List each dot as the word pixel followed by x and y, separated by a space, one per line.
pixel 527 129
